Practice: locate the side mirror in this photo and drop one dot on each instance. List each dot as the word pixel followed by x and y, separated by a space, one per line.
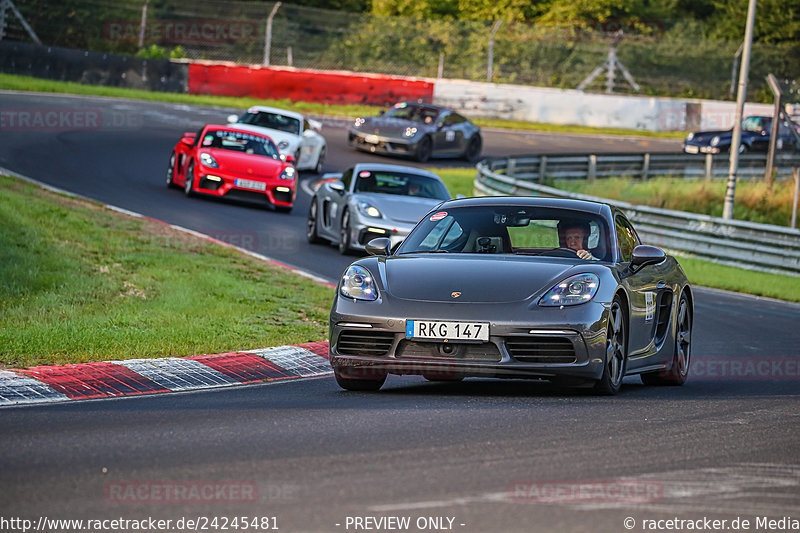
pixel 232 119
pixel 379 246
pixel 290 159
pixel 337 186
pixel 381 112
pixel 644 255
pixel 188 139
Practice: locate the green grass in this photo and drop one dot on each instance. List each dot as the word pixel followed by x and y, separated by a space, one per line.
pixel 26 83
pixel 458 180
pixel 754 200
pixel 708 274
pixel 82 283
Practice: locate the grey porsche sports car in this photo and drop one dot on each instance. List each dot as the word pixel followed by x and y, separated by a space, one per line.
pixel 369 201
pixel 420 131
pixel 511 287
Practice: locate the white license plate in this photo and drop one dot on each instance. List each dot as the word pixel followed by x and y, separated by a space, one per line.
pixel 250 184
pixel 454 331
pixel 372 139
pixel 691 149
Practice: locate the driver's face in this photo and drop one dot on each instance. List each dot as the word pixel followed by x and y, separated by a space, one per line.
pixel 574 238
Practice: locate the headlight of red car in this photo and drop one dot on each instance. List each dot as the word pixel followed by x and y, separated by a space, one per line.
pixel 288 173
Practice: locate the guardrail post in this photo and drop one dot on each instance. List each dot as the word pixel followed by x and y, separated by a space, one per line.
pixel 709 166
pixel 796 174
pixel 592 173
pixel 511 167
pixel 542 168
pixel 645 166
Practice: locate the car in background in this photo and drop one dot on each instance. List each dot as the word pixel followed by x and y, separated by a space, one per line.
pixel 756 134
pixel 372 200
pixel 294 134
pixel 497 287
pixel 419 131
pixel 233 163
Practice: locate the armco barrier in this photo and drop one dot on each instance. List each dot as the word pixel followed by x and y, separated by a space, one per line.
pixel 732 242
pixel 93 68
pixel 305 85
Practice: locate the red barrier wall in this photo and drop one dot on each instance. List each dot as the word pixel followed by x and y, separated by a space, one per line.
pixel 305 85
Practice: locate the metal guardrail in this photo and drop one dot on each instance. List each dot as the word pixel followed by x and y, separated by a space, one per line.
pixel 643 166
pixel 737 243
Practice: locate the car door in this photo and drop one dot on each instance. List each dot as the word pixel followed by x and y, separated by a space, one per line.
pixel 651 297
pixel 448 136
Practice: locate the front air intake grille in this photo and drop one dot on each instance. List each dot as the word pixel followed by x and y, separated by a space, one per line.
pixel 365 342
pixel 541 349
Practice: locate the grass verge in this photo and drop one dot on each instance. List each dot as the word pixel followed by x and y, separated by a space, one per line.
pixel 26 83
pixel 82 283
pixel 699 271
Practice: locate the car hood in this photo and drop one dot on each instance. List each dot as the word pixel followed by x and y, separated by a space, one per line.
pixel 390 127
pixel 479 279
pixel 276 135
pixel 257 165
pixel 705 136
pixel 396 208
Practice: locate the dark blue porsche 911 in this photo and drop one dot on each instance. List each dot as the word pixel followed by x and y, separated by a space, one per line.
pixel 510 287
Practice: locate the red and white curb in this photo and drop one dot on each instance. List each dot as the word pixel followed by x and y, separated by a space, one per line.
pixel 132 377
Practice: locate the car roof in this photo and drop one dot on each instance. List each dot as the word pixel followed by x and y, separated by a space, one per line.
pixel 382 167
pixel 533 201
pixel 424 104
pixel 277 110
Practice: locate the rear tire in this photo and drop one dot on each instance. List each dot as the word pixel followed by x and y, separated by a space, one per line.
pixel 424 149
pixel 473 151
pixel 679 371
pixel 616 350
pixel 320 161
pixel 349 382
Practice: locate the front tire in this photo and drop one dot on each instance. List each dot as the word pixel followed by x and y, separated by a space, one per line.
pixel 188 187
pixel 344 234
pixel 424 149
pixel 312 234
pixel 171 171
pixel 679 371
pixel 616 350
pixel 357 383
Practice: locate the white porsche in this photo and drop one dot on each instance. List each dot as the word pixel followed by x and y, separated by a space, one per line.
pixel 294 134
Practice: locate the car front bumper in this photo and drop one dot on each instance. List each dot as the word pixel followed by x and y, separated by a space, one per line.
pixel 381 144
pixel 543 343
pixel 276 191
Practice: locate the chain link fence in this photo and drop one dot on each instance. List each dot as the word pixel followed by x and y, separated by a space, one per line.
pixel 664 57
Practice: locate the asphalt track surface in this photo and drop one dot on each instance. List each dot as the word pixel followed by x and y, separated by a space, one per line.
pixel 723 446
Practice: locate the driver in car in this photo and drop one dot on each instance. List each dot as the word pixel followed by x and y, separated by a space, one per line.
pixel 574 235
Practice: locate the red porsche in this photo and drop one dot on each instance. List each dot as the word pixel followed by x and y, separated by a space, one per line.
pixel 232 163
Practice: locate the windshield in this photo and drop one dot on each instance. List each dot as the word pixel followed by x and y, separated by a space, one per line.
pixel 238 141
pixel 414 113
pixel 512 230
pixel 273 121
pixel 400 184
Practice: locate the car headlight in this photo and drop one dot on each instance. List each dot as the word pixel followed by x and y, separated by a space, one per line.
pixel 359 122
pixel 288 173
pixel 368 209
pixel 715 140
pixel 574 290
pixel 410 132
pixel 283 145
pixel 690 137
pixel 357 283
pixel 207 160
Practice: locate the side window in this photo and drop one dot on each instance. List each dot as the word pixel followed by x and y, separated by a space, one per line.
pixel 347 177
pixel 455 118
pixel 455 232
pixel 627 239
